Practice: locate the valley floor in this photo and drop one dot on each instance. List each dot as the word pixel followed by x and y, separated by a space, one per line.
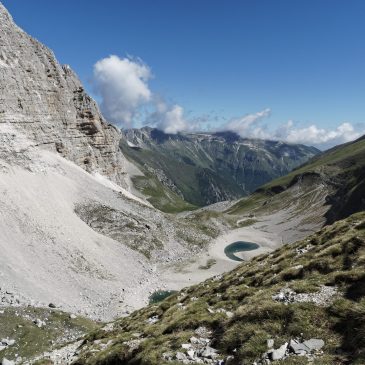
pixel 268 231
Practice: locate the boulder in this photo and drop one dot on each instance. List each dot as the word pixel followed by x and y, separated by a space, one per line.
pixel 7 362
pixel 314 344
pixel 270 343
pixel 208 352
pixel 180 356
pixel 279 353
pixel 298 348
pixel 191 354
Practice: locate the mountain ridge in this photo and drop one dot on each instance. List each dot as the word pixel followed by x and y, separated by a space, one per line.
pixel 49 103
pixel 205 168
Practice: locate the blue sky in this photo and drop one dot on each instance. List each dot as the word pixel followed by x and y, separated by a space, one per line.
pixel 300 63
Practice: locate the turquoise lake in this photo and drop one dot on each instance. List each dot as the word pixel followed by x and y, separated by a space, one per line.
pixel 239 246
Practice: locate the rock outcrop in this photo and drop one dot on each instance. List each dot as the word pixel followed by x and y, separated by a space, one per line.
pixel 49 103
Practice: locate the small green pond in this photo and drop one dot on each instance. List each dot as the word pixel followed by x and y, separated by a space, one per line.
pixel 160 295
pixel 239 246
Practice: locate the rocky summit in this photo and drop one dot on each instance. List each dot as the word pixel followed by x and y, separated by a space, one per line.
pixel 63 187
pixel 48 103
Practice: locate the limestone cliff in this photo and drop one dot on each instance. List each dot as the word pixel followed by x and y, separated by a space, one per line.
pixel 48 102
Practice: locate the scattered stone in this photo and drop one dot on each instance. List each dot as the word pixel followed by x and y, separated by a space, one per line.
pixel 51 305
pixel 132 344
pixel 203 332
pixel 323 297
pixel 295 347
pixel 221 310
pixel 270 343
pixel 314 344
pixel 7 362
pixel 5 343
pixel 209 352
pixel 300 251
pixel 108 327
pixel 191 354
pixel 39 323
pixel 153 320
pixel 298 348
pixel 180 356
pixel 168 356
pixel 279 353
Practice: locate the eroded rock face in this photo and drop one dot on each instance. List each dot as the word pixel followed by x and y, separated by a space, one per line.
pixel 48 102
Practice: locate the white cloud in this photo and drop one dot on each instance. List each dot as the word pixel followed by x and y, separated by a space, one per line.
pixel 122 84
pixel 320 137
pixel 243 126
pixel 171 118
pixel 252 126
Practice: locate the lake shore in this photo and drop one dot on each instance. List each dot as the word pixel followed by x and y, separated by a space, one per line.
pixel 192 272
pixel 269 232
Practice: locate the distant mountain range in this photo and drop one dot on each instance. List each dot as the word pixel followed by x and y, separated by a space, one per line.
pixel 338 173
pixel 205 168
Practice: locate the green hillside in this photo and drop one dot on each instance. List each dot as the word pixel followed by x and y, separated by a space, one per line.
pixel 340 169
pixel 322 276
pixel 203 169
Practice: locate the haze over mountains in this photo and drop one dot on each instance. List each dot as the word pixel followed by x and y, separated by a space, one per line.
pixel 89 233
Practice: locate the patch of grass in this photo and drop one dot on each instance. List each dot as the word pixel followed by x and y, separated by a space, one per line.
pixel 18 323
pixel 160 196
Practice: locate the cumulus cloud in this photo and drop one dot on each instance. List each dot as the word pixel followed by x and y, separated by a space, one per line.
pixel 252 126
pixel 319 136
pixel 170 118
pixel 122 84
pixel 245 126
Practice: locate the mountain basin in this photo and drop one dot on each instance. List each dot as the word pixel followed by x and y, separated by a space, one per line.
pixel 239 246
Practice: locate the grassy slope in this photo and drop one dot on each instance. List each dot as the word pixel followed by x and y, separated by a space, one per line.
pixel 189 178
pixel 342 168
pixel 228 174
pixel 336 257
pixel 18 323
pixel 160 196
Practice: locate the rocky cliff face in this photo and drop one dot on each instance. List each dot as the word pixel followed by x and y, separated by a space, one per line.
pixel 47 102
pixel 206 168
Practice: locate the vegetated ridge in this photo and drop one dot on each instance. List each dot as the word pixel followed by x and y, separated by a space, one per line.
pixel 338 173
pixel 205 168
